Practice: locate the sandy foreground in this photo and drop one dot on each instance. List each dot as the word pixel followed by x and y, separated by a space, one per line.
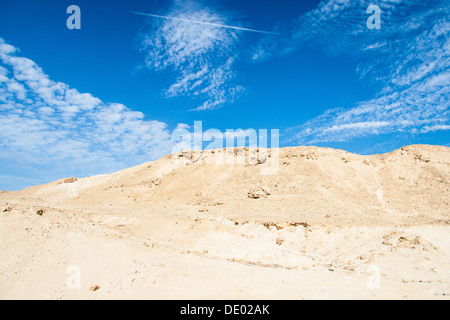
pixel 327 225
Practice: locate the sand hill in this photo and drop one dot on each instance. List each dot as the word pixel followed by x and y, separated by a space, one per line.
pixel 328 224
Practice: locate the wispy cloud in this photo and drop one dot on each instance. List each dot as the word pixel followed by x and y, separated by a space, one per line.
pixel 434 128
pixel 202 54
pixel 408 59
pixel 47 124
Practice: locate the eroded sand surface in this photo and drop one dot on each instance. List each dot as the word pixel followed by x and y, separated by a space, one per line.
pixel 329 224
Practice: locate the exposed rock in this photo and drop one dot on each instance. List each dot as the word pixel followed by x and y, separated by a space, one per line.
pixel 259 192
pixel 94 288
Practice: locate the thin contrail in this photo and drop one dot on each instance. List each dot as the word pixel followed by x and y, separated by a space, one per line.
pixel 205 23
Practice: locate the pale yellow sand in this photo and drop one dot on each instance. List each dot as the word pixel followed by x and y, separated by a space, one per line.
pixel 328 224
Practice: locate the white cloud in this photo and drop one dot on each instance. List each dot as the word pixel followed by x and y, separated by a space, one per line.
pixel 202 55
pixel 435 128
pixel 17 88
pixel 357 126
pixel 408 58
pixel 48 124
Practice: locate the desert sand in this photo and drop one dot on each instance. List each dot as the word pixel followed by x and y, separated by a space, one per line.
pixel 328 225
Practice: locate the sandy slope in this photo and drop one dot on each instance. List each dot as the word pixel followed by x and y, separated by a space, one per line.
pixel 328 224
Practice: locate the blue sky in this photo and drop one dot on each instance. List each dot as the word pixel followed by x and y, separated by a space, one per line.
pixel 109 96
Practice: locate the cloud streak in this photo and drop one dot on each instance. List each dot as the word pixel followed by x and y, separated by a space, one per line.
pixel 205 23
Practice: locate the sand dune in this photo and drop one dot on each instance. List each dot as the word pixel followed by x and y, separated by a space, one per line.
pixel 328 224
